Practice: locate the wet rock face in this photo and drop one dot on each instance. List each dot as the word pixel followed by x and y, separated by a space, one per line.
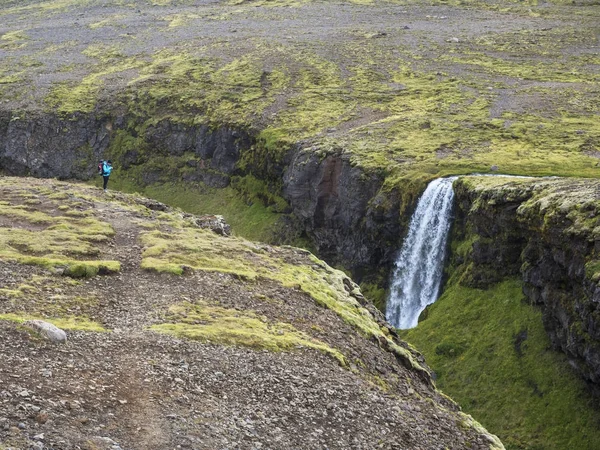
pixel 342 207
pixel 548 247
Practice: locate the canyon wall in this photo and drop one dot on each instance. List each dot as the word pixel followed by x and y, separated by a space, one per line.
pixel 546 231
pixel 349 217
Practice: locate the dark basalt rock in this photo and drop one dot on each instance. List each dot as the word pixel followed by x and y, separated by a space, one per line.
pixel 48 146
pixel 548 248
pixel 351 220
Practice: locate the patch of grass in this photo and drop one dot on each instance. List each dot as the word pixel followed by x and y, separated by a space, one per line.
pixel 103 52
pixel 13 40
pixel 53 240
pixel 73 323
pixel 109 21
pixel 492 355
pixel 253 221
pixel 182 248
pixel 210 323
pixel 69 98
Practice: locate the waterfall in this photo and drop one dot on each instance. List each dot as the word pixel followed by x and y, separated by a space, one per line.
pixel 419 267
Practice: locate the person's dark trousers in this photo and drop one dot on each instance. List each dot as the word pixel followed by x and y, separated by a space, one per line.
pixel 105 181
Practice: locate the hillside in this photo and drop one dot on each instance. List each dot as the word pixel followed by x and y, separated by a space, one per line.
pixel 180 336
pixel 333 115
pixel 311 123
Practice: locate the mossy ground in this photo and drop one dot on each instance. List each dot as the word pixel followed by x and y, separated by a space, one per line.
pixel 52 230
pixel 428 96
pixel 184 247
pixel 215 324
pixel 491 354
pixel 70 323
pixel 249 219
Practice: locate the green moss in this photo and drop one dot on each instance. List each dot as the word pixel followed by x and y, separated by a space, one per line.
pixel 253 189
pixel 13 40
pixel 210 323
pixel 73 323
pixel 592 270
pixel 375 293
pixel 108 22
pixel 492 355
pixel 89 269
pixel 62 239
pixel 68 98
pixel 203 250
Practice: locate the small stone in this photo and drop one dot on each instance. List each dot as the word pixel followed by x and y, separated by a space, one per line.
pixel 24 393
pixel 22 426
pixel 494 168
pixel 39 437
pixel 41 418
pixel 46 329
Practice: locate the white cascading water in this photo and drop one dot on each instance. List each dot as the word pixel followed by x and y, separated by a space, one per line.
pixel 419 267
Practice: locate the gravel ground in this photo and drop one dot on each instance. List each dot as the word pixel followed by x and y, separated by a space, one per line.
pixel 132 388
pixel 58 32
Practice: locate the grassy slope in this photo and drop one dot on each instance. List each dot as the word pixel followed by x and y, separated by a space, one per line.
pixel 490 352
pixel 249 219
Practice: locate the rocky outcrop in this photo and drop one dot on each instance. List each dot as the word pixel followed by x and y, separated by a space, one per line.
pixel 47 145
pixel 547 232
pixel 350 217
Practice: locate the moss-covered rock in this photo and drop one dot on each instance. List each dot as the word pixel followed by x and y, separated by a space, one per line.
pixel 544 231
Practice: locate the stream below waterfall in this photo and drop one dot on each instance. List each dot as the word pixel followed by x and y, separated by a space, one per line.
pixel 419 267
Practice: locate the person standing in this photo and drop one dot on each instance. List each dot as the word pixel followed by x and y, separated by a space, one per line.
pixel 106 170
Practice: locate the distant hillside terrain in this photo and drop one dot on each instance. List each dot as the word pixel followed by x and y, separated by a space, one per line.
pixel 404 87
pixel 333 115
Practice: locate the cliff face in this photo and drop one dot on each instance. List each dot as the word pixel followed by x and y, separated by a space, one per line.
pixel 352 220
pixel 547 232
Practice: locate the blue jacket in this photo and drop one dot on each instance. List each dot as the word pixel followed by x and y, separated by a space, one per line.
pixel 106 169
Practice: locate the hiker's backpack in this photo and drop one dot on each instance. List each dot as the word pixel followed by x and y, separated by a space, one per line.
pixel 100 167
pixel 106 169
